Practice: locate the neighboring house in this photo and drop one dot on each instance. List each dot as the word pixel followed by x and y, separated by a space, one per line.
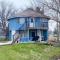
pixel 28 25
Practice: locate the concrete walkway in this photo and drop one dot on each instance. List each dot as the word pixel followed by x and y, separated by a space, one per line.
pixel 5 43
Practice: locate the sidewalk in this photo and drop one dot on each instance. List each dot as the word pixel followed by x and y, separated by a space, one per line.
pixel 6 43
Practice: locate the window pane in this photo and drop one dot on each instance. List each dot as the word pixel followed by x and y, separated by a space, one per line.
pixel 32 20
pixel 21 20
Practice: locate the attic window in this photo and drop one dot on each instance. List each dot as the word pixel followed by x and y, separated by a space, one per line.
pixel 20 20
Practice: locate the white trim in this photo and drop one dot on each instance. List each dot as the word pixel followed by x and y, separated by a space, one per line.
pixel 12 33
pixel 39 34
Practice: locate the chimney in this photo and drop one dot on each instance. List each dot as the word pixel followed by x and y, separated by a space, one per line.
pixel 37 9
pixel 40 10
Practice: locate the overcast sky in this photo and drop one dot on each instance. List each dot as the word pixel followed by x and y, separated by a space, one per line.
pixel 27 3
pixel 19 3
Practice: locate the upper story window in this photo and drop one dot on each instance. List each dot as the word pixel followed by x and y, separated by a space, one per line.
pixel 21 20
pixel 31 20
pixel 45 20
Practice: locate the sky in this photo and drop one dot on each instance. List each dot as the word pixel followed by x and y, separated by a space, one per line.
pixel 19 3
pixel 27 3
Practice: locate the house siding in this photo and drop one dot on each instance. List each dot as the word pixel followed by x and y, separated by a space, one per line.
pixel 38 23
pixel 41 23
pixel 25 36
pixel 44 34
pixel 15 25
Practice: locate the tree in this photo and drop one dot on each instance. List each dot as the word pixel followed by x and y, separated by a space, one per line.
pixel 55 31
pixel 36 3
pixel 53 5
pixel 6 11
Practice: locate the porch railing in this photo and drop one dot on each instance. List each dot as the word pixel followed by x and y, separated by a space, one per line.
pixel 38 26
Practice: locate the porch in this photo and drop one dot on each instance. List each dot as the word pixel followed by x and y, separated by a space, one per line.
pixel 29 35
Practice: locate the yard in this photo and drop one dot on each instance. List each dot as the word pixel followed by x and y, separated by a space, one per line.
pixel 28 52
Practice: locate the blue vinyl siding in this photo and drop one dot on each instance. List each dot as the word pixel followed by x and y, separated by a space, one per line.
pixel 39 22
pixel 45 22
pixel 14 25
pixel 25 39
pixel 9 35
pixel 44 34
pixel 27 22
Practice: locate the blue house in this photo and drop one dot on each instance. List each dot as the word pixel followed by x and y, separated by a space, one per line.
pixel 29 25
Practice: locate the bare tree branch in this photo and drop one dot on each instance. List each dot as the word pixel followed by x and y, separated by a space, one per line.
pixel 6 11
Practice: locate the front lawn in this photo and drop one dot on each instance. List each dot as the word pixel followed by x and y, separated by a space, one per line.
pixel 28 52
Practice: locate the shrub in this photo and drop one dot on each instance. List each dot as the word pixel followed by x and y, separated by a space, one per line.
pixel 3 39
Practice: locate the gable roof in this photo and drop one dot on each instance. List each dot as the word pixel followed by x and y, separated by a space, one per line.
pixel 31 13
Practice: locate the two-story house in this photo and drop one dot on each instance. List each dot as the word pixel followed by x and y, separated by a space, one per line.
pixel 27 25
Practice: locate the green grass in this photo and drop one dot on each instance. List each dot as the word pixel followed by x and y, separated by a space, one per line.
pixel 28 52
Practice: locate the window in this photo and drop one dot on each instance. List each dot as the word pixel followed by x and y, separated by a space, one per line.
pixel 45 20
pixel 21 20
pixel 31 20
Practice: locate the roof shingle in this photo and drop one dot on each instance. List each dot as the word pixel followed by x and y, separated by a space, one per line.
pixel 31 13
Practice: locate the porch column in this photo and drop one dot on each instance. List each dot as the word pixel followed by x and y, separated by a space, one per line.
pixel 12 34
pixel 39 34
